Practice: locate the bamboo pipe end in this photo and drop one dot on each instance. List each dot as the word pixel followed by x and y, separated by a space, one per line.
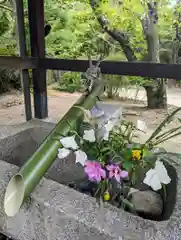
pixel 14 195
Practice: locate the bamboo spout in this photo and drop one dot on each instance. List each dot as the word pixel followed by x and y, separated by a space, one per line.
pixel 29 175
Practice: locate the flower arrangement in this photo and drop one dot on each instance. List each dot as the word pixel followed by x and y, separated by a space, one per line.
pixel 112 161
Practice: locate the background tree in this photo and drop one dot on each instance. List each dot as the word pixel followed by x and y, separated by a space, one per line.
pixel 133 30
pixel 156 90
pixel 139 30
pixel 9 78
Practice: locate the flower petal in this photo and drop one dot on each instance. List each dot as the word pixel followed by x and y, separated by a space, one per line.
pixel 149 176
pixel 152 180
pixel 106 136
pixel 69 142
pixel 111 174
pixel 63 153
pixel 124 174
pixel 97 177
pixel 94 171
pixel 109 126
pixel 88 163
pixel 141 125
pixel 103 173
pixel 161 172
pixel 117 177
pixel 110 167
pixel 89 135
pixel 96 113
pixel 81 157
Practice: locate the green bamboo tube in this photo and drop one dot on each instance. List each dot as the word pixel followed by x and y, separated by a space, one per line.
pixel 23 183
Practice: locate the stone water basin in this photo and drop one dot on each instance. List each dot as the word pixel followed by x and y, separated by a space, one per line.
pixel 55 211
pixel 17 148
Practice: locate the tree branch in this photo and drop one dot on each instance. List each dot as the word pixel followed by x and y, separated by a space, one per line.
pixel 6 8
pixel 3 2
pixel 177 41
pixel 149 25
pixel 115 34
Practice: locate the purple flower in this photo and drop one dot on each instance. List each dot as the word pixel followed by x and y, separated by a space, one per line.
pixel 94 171
pixel 95 112
pixel 116 172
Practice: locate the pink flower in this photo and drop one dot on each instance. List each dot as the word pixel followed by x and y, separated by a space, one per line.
pixel 116 172
pixel 94 171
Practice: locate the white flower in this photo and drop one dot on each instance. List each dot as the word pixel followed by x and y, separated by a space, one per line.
pixel 63 153
pixel 106 135
pixel 141 125
pixel 89 135
pixel 81 157
pixel 103 132
pixel 69 142
pixel 152 180
pixel 162 172
pixel 108 126
pixel 155 177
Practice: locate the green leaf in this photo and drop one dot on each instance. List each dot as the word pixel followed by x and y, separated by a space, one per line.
pixel 105 149
pixel 127 154
pixel 147 153
pixel 127 165
pixel 164 191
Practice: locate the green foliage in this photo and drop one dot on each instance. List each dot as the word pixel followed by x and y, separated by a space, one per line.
pixel 113 84
pixel 160 136
pixel 118 153
pixel 9 79
pixel 4 22
pixel 70 82
pixel 76 32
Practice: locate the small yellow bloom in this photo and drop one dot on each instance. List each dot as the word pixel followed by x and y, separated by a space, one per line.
pixel 107 196
pixel 136 154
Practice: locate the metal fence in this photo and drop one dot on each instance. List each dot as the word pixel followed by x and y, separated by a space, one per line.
pixel 39 64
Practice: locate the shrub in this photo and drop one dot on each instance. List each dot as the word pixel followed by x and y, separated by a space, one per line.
pixel 113 84
pixel 70 82
pixel 9 79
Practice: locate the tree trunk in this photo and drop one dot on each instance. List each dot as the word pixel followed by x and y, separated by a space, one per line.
pixel 155 91
pixel 109 92
pixel 156 95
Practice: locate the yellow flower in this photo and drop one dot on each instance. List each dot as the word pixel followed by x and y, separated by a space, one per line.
pixel 107 196
pixel 136 154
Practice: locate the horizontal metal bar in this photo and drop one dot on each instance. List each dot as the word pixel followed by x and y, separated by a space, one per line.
pixel 143 69
pixel 17 62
